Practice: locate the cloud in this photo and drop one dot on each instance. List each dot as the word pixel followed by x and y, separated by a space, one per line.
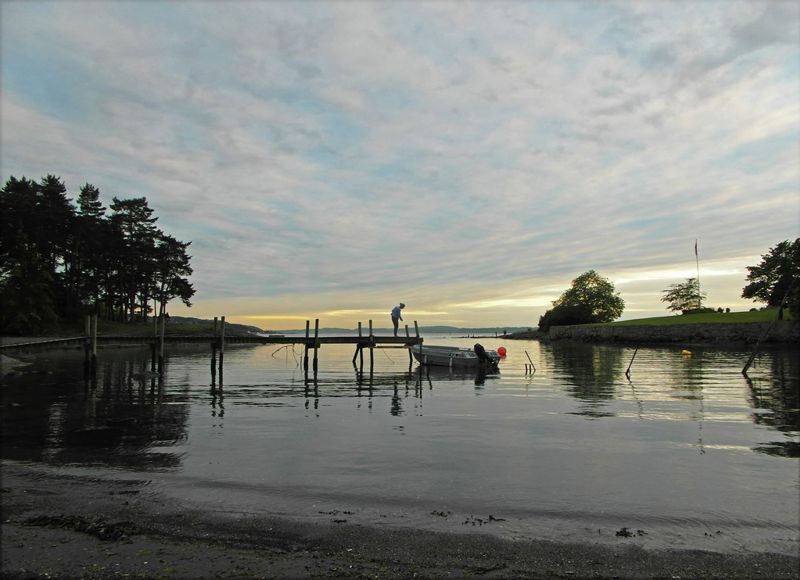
pixel 463 154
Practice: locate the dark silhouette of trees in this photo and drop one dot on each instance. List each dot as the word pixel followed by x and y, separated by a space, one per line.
pixel 776 276
pixel 133 219
pixel 564 316
pixel 172 271
pixel 59 260
pixel 590 298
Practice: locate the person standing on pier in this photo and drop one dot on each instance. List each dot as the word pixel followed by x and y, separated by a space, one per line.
pixel 396 316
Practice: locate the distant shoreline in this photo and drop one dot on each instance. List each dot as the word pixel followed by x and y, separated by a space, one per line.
pixel 747 333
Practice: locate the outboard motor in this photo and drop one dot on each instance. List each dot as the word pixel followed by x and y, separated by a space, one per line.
pixel 481 352
pixel 487 362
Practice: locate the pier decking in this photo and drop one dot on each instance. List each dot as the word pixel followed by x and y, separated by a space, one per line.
pixel 376 341
pixel 218 341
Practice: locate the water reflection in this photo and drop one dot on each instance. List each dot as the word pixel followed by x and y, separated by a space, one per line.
pixel 531 439
pixel 121 418
pixel 769 393
pixel 590 373
pixel 704 384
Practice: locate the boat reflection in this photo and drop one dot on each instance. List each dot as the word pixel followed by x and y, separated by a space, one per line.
pixel 434 374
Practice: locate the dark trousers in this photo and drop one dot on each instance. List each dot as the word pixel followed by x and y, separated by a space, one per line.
pixel 395 321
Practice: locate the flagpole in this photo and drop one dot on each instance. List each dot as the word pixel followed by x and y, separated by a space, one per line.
pixel 697 260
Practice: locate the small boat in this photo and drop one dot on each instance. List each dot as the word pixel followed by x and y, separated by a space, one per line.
pixel 456 357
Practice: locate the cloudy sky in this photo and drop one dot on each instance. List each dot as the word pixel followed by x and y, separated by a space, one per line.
pixel 331 159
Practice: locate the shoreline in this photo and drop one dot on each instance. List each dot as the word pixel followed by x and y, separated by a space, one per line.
pixel 57 525
pixel 722 334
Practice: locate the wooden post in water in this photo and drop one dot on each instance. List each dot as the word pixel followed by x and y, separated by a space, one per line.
pixel 371 349
pixel 87 364
pixel 410 356
pixel 628 371
pixel 93 364
pixel 221 346
pixel 316 346
pixel 533 368
pixel 761 338
pixel 416 331
pixel 161 345
pixel 358 345
pixel 305 355
pixel 360 351
pixel 214 349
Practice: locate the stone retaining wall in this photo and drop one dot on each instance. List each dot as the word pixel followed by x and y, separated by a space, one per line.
pixel 783 331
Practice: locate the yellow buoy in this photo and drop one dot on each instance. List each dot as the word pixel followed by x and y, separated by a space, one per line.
pixel 686 353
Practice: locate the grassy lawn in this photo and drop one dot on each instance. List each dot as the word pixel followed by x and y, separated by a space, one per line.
pixel 708 318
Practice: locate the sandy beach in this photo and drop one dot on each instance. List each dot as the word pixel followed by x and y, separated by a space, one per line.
pixel 58 526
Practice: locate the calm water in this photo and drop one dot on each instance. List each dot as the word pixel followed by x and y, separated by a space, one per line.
pixel 688 451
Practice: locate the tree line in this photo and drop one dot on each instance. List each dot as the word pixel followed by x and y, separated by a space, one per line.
pixel 591 298
pixel 60 260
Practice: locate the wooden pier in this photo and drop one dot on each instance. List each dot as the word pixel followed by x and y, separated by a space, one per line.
pixel 218 340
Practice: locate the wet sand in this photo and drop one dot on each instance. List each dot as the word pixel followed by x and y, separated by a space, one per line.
pixel 63 526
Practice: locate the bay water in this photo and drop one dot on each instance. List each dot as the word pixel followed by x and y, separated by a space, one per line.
pixel 686 452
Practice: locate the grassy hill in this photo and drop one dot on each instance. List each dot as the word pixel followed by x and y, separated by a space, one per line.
pixel 176 326
pixel 766 315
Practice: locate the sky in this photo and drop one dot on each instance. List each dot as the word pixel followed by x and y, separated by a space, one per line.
pixel 470 159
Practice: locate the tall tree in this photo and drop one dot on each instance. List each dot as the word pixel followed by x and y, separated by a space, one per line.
pixel 89 204
pixel 91 245
pixel 592 290
pixel 684 296
pixel 590 298
pixel 133 218
pixel 776 276
pixel 18 215
pixel 53 224
pixel 171 272
pixel 27 258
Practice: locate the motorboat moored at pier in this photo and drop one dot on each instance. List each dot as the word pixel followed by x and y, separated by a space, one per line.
pixel 456 357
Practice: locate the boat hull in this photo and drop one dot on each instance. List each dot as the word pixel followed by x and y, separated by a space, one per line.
pixel 453 357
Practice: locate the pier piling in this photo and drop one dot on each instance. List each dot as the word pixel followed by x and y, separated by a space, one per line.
pixel 93 360
pixel 221 345
pixel 161 345
pixel 214 349
pixel 371 350
pixel 316 346
pixel 87 364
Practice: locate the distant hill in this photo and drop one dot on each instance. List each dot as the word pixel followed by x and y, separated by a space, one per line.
pixel 229 326
pixel 246 329
pixel 490 330
pixel 422 329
